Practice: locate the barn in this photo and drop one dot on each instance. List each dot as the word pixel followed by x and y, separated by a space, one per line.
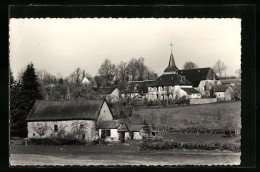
pixel 60 118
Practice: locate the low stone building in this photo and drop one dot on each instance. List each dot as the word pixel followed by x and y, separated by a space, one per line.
pixel 138 132
pixel 60 118
pixel 113 130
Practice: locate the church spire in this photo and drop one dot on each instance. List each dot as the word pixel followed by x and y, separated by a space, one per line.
pixel 171 66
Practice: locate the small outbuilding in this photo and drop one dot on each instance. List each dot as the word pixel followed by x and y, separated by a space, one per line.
pixel 139 132
pixel 113 130
pixel 224 92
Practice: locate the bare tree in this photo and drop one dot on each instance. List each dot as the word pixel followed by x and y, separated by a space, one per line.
pixel 132 68
pixel 219 67
pixel 140 66
pixel 122 71
pixel 190 65
pixel 107 69
pixel 40 129
pixel 79 128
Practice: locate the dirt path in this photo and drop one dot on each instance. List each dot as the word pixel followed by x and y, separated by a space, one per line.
pixel 172 158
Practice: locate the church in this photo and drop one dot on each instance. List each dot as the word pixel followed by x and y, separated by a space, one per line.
pixel 175 83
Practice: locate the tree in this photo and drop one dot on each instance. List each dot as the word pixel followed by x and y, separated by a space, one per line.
pixel 107 70
pixel 40 129
pixel 78 128
pixel 219 67
pixel 132 69
pixel 190 65
pixel 122 72
pixel 27 91
pixel 140 66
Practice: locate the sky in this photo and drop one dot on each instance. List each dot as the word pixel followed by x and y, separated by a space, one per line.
pixel 59 46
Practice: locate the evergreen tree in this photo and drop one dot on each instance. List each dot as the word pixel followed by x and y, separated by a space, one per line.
pixel 26 92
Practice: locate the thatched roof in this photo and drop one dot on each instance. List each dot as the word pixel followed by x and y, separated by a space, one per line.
pixel 65 110
pixel 110 124
pixel 221 88
pixel 190 90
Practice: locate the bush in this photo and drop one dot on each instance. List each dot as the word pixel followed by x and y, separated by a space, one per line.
pixel 55 141
pixel 145 145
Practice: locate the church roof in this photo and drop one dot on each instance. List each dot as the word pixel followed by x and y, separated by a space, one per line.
pixel 198 74
pixel 170 80
pixel 171 66
pixel 43 110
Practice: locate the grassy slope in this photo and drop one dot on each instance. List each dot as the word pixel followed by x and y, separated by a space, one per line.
pixel 203 116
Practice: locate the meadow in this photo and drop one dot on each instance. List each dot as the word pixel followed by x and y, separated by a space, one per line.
pixel 224 115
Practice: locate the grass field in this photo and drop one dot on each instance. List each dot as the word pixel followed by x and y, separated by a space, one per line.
pixel 210 116
pixel 117 154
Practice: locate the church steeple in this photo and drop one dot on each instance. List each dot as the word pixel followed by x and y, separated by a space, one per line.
pixel 172 68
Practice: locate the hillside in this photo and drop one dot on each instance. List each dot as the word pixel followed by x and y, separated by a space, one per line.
pixel 210 116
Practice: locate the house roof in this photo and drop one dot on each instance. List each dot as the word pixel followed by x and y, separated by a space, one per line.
pixel 190 90
pixel 105 90
pixel 142 86
pixel 169 80
pixel 65 110
pixel 221 88
pixel 198 74
pixel 171 66
pixel 110 124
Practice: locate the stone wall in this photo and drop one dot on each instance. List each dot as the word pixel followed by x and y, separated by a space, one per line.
pixel 67 126
pixel 203 101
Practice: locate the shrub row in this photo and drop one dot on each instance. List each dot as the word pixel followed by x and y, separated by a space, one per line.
pixel 55 141
pixel 146 145
pixel 200 130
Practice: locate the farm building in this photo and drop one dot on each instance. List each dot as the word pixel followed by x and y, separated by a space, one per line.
pixel 59 118
pixel 112 94
pixel 138 132
pixel 113 130
pixel 137 89
pixel 224 92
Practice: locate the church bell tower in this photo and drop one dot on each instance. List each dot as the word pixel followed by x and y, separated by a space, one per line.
pixel 172 68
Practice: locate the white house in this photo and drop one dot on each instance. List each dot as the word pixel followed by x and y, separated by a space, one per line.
pixel 190 93
pixel 85 81
pixel 113 130
pixel 60 118
pixel 224 92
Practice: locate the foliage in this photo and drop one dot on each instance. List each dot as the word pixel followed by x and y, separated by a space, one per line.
pixel 40 128
pixel 79 128
pixel 55 141
pixel 219 67
pixel 22 97
pixel 146 145
pixel 190 65
pixel 107 69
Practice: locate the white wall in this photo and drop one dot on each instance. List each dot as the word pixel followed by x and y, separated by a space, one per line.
pixel 105 113
pixel 114 96
pixel 137 135
pixel 67 125
pixel 220 94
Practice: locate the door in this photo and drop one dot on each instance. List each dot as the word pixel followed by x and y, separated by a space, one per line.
pixel 122 136
pixel 103 134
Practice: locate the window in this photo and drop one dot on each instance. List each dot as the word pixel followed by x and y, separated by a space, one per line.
pixel 108 133
pixel 55 128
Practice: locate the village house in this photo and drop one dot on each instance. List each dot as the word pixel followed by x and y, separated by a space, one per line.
pixel 202 79
pixel 112 94
pixel 138 89
pixel 58 118
pixel 178 83
pixel 113 130
pixel 224 92
pixel 85 81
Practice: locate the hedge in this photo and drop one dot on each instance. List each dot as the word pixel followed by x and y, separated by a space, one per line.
pixel 146 145
pixel 55 141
